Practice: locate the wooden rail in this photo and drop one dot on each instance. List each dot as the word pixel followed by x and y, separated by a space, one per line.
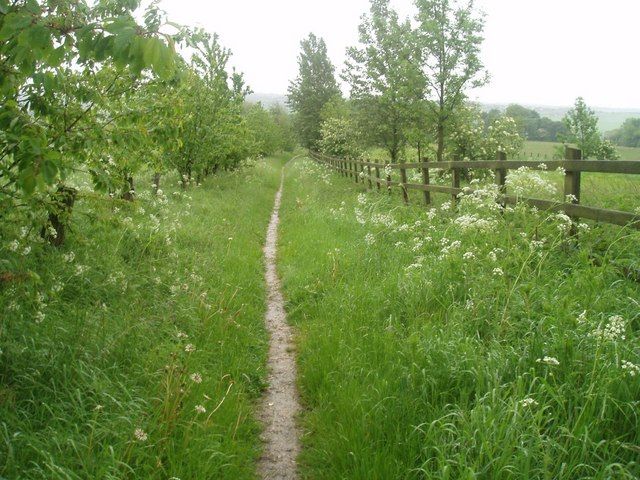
pixel 572 167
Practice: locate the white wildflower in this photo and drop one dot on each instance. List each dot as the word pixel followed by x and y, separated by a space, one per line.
pixel 582 318
pixel 553 361
pixel 196 378
pixel 39 317
pixel 528 402
pixel 369 239
pixel 612 331
pixel 630 369
pixel 140 435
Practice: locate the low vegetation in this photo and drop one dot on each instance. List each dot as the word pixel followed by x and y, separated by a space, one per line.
pixel 469 344
pixel 138 349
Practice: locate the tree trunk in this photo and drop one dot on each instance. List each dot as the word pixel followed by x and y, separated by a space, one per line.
pixel 59 215
pixel 129 190
pixel 156 183
pixel 440 153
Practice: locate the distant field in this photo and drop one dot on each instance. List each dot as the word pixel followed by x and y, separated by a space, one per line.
pixel 547 150
pixel 608 118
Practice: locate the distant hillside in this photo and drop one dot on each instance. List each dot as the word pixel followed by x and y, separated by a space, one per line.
pixel 609 118
pixel 268 99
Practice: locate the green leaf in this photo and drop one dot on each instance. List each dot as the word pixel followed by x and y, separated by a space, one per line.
pixel 56 56
pixel 152 52
pixel 27 180
pixel 49 171
pixel 13 23
pixel 123 39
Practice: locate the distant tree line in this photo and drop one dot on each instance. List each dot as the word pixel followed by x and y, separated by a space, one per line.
pixel 531 125
pixel 628 135
pixel 409 83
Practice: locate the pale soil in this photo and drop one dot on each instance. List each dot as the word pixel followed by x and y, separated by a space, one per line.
pixel 280 402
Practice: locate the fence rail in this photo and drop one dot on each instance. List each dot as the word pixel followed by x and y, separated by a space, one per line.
pixel 573 166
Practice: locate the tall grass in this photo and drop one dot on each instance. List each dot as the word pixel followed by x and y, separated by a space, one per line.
pixel 137 350
pixel 468 344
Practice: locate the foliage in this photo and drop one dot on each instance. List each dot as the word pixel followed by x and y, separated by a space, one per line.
pixel 137 349
pixel 87 90
pixel 449 36
pixel 581 125
pixel 386 85
pixel 270 130
pixel 340 138
pixel 471 140
pixel 532 126
pixel 61 63
pixel 628 135
pixel 314 86
pixel 478 343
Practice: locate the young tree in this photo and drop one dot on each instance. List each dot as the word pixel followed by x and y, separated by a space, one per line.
pixel 450 36
pixel 386 84
pixel 582 130
pixel 473 139
pixel 51 53
pixel 314 86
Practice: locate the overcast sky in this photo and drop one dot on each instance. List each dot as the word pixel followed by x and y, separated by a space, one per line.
pixel 539 52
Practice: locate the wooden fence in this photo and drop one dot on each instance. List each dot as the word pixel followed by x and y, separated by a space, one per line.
pixel 573 166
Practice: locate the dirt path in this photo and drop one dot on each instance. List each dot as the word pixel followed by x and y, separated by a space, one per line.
pixel 281 403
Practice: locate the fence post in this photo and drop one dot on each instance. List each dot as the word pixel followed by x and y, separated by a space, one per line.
pixel 377 177
pixel 356 169
pixel 388 179
pixel 403 179
pixel 343 167
pixel 501 177
pixel 369 174
pixel 455 182
pixel 425 181
pixel 572 182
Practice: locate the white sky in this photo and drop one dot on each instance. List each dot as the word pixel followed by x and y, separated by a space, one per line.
pixel 539 52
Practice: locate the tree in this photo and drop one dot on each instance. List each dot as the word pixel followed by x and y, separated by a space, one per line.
pixel 52 54
pixel 628 135
pixel 532 126
pixel 449 35
pixel 269 130
pixel 314 86
pixel 386 84
pixel 527 119
pixel 581 126
pixel 474 140
pixel 283 120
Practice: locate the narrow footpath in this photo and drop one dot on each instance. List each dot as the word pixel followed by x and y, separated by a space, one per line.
pixel 281 403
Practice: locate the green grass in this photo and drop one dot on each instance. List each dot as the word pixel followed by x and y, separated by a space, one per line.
pixel 618 192
pixel 421 357
pixel 532 151
pixel 547 150
pixel 96 346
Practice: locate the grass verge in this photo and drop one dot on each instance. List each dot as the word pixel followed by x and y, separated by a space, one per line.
pixel 459 345
pixel 137 350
